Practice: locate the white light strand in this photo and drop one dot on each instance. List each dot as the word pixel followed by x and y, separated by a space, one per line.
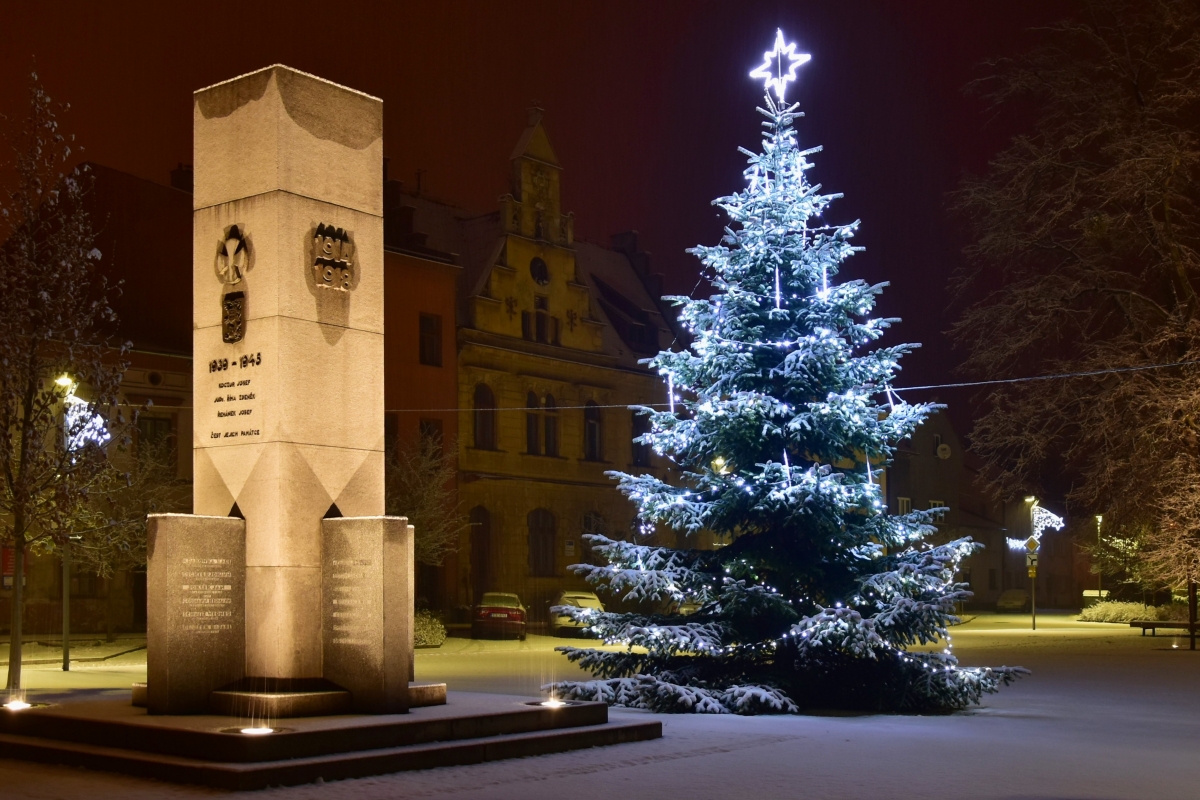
pixel 670 393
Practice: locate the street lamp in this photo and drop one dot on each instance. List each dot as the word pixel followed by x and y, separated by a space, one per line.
pixel 1099 572
pixel 68 385
pixel 1039 520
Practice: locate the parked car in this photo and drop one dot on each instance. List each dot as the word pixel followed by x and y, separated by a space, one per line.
pixel 1016 600
pixel 498 614
pixel 561 624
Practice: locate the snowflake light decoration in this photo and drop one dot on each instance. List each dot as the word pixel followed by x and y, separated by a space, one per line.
pixel 779 65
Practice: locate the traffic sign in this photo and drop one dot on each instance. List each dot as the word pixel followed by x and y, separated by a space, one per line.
pixel 1031 560
pixel 1032 544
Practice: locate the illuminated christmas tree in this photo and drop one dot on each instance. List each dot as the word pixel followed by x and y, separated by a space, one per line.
pixel 780 421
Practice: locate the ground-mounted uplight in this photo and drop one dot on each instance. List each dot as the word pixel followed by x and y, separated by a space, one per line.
pixel 17 705
pixel 254 730
pixel 553 702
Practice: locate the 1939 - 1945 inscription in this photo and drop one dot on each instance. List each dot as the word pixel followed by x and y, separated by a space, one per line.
pixel 235 390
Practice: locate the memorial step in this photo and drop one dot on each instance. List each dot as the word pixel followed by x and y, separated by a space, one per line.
pixel 299 755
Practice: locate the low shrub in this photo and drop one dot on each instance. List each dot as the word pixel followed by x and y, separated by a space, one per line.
pixel 1116 611
pixel 428 630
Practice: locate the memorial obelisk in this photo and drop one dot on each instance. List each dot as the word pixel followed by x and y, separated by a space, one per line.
pixel 289 415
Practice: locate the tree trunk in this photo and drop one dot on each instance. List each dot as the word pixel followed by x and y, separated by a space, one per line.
pixel 110 609
pixel 1192 614
pixel 18 612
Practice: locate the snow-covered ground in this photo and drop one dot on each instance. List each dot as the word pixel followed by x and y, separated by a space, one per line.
pixel 1106 714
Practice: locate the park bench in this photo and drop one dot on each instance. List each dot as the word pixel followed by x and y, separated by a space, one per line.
pixel 1152 624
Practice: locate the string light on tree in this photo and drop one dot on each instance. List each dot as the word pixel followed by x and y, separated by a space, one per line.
pixel 816 591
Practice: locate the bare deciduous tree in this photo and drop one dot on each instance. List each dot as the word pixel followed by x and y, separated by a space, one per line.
pixel 1085 258
pixel 420 486
pixel 54 312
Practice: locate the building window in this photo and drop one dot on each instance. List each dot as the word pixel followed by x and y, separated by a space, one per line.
pixel 391 436
pixel 533 425
pixel 551 425
pixel 641 451
pixel 155 442
pixel 430 431
pixel 481 551
pixel 485 417
pixel 431 340
pixel 593 525
pixel 593 432
pixel 539 272
pixel 939 509
pixel 993 581
pixel 538 325
pixel 541 543
pixel 903 505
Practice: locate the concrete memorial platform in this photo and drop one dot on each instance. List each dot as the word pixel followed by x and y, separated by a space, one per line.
pixel 213 750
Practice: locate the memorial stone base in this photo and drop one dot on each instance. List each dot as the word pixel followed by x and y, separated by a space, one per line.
pixel 196 659
pixel 195 624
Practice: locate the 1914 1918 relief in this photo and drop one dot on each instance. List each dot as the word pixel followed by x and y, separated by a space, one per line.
pixel 333 266
pixel 233 260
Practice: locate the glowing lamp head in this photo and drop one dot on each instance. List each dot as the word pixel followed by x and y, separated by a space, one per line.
pixel 17 705
pixel 1030 499
pixel 779 66
pixel 553 703
pixel 257 731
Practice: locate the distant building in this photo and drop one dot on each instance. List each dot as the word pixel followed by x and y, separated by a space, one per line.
pixel 549 331
pixel 932 470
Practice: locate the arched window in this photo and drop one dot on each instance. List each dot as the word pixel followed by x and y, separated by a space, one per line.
pixel 551 423
pixel 485 417
pixel 541 543
pixel 481 551
pixel 593 432
pixel 641 452
pixel 533 424
pixel 593 525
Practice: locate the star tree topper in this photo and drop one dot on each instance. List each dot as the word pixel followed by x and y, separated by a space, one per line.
pixel 779 65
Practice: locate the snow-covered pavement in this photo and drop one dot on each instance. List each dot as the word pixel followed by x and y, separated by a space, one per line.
pixel 1106 714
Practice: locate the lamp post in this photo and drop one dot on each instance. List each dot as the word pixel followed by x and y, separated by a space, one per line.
pixel 68 385
pixel 1099 573
pixel 1039 520
pixel 1031 561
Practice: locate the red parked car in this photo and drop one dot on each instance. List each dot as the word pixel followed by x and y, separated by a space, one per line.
pixel 498 614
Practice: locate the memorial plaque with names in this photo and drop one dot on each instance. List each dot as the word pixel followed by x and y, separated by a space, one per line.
pixel 236 414
pixel 367 587
pixel 195 628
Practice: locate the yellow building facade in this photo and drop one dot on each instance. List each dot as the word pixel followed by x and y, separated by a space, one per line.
pixel 549 339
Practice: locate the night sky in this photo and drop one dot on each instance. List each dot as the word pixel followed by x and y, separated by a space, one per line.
pixel 646 103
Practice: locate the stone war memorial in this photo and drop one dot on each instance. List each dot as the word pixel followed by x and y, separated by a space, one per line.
pixel 287 286
pixel 288 595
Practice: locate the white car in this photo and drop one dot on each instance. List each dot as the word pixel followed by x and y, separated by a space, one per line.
pixel 561 624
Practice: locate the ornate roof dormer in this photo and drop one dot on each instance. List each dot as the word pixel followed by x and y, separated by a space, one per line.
pixel 534 208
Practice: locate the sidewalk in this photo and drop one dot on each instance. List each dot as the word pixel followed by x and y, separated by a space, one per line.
pixel 40 649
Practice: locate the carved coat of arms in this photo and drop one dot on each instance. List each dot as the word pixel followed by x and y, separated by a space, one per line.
pixel 233 258
pixel 333 258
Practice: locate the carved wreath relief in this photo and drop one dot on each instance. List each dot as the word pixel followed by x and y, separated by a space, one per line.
pixel 233 258
pixel 333 267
